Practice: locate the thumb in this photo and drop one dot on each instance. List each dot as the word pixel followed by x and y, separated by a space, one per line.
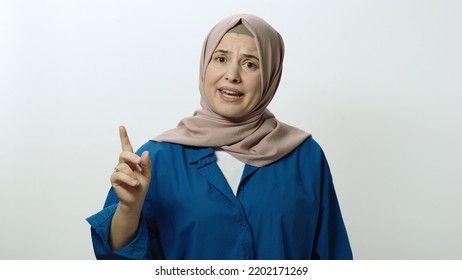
pixel 146 165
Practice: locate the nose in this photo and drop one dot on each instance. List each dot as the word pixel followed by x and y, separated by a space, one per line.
pixel 232 74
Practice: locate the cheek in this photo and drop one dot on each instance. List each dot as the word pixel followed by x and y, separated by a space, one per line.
pixel 255 97
pixel 256 93
pixel 255 84
pixel 211 77
pixel 209 86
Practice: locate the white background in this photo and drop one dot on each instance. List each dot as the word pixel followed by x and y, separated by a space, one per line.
pixel 378 84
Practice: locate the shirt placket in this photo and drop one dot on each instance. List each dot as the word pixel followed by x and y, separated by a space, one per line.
pixel 208 168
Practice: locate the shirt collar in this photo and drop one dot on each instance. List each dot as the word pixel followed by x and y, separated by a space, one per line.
pixel 200 155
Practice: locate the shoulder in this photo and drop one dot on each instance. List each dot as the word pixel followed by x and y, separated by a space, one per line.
pixel 155 147
pixel 309 147
pixel 309 154
pixel 174 151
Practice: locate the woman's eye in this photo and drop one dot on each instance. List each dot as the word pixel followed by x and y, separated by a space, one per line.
pixel 220 59
pixel 250 65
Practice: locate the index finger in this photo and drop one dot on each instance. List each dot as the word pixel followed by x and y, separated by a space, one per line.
pixel 124 140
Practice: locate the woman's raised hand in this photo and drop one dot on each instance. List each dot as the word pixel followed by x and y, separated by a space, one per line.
pixel 132 175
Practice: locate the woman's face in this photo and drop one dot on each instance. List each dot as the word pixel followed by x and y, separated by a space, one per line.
pixel 232 79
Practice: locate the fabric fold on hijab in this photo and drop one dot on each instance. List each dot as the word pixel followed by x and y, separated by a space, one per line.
pixel 258 138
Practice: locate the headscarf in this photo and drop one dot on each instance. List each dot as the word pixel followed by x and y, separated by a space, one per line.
pixel 258 138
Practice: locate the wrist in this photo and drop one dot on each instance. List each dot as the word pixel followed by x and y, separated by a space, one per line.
pixel 126 210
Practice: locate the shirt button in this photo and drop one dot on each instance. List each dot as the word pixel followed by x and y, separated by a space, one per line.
pixel 243 223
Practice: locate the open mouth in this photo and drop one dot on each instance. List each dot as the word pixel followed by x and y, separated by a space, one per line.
pixel 229 94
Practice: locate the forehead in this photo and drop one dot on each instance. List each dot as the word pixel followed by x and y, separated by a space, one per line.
pixel 242 42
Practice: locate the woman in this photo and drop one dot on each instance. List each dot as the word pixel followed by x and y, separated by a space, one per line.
pixel 230 182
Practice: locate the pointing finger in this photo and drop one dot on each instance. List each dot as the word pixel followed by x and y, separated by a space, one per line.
pixel 124 140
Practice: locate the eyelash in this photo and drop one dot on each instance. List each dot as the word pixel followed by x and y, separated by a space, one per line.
pixel 252 65
pixel 248 64
pixel 220 59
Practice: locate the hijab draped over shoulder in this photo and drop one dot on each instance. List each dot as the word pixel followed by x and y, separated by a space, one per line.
pixel 258 138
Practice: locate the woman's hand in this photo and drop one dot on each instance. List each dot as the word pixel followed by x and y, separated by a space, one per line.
pixel 132 175
pixel 130 181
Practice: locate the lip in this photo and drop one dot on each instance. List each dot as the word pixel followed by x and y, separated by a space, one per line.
pixel 230 94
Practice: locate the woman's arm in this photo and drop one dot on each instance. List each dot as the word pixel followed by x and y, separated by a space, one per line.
pixel 130 182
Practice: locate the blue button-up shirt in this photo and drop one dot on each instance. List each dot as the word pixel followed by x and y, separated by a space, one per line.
pixel 285 210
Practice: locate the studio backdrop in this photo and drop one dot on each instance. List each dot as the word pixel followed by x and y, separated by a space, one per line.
pixel 377 83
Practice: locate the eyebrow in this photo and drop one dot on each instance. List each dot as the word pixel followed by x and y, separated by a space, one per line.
pixel 244 54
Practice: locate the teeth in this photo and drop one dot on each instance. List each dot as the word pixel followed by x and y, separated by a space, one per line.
pixel 228 92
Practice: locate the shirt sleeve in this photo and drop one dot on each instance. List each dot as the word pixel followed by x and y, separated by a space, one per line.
pixel 145 245
pixel 100 226
pixel 331 241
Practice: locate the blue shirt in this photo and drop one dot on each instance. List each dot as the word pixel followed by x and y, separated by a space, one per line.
pixel 285 210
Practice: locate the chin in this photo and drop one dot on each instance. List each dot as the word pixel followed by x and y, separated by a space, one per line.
pixel 230 115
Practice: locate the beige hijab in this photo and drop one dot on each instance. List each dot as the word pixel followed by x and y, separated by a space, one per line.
pixel 258 138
